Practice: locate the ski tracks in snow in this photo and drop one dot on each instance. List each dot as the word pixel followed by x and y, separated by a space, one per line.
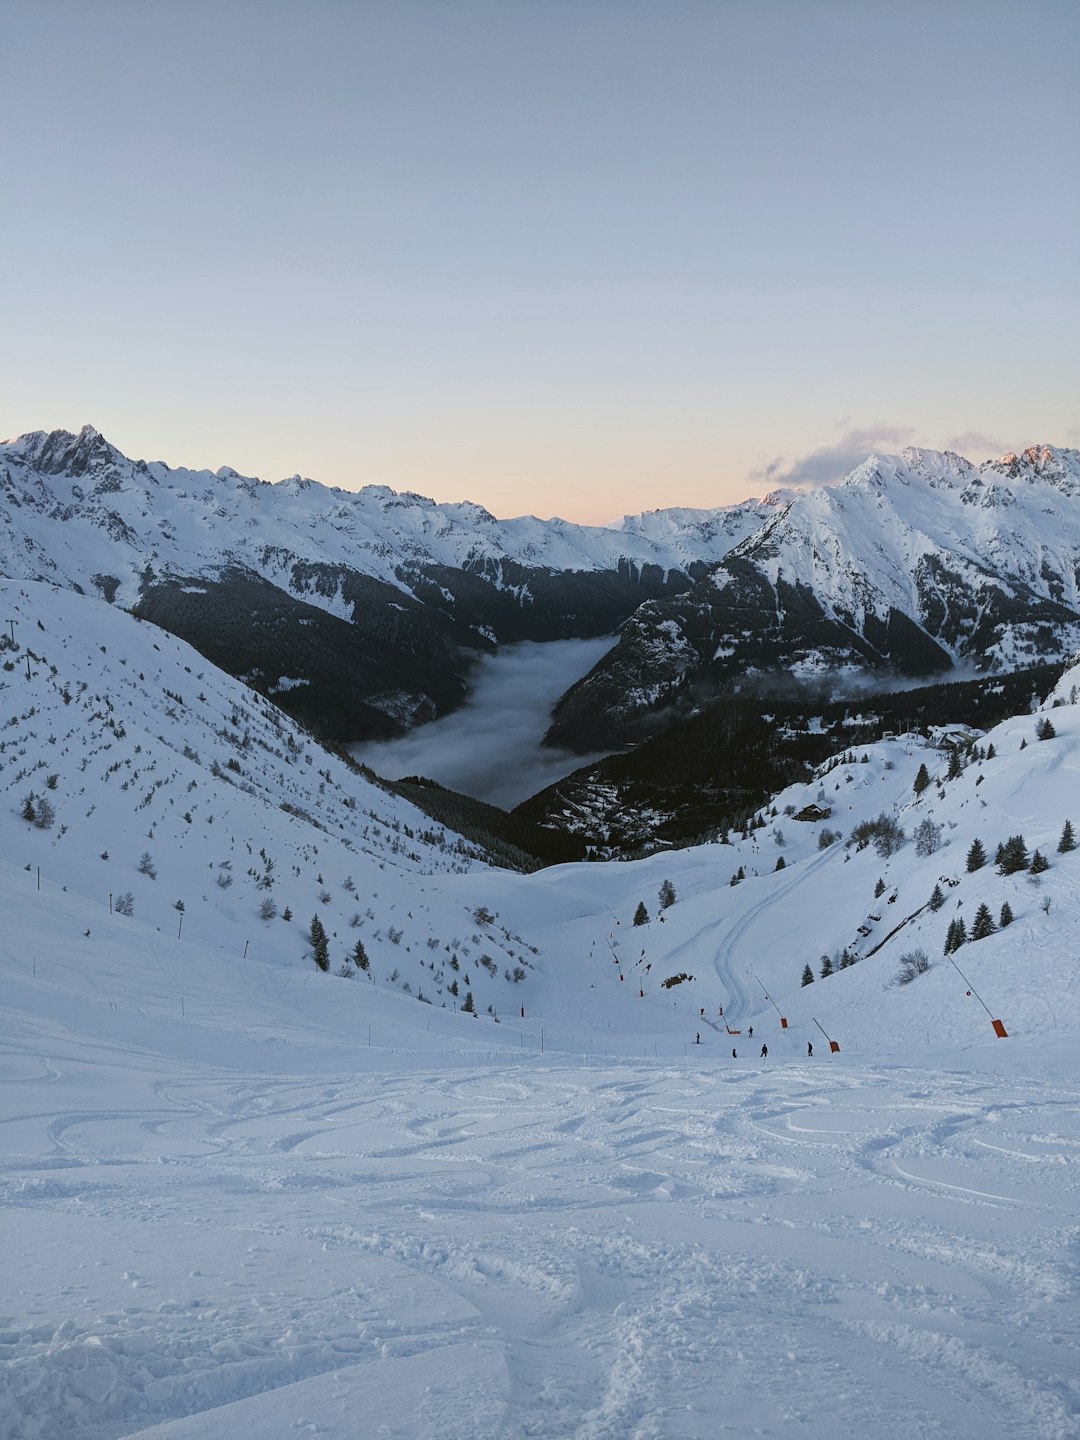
pixel 630 1253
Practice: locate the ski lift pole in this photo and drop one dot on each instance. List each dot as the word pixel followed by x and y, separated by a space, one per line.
pixel 999 1028
pixel 772 1002
pixel 834 1047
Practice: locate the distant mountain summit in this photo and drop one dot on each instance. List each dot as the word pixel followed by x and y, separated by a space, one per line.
pixel 913 564
pixel 360 612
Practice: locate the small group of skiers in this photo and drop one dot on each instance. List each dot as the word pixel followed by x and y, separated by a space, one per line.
pixel 764 1049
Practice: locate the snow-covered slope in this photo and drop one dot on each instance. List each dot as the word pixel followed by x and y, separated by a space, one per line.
pixel 241 1198
pixel 136 747
pixel 912 564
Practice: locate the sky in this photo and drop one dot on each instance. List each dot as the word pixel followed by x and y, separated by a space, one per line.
pixel 555 257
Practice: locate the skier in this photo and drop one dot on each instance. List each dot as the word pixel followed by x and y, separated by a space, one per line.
pixel 733 1055
pixel 697 1038
pixel 764 1052
pixel 809 1047
pixel 750 1032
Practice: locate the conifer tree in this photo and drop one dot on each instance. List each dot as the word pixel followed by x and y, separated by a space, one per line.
pixel 976 856
pixel 955 766
pixel 1045 730
pixel 667 895
pixel 826 967
pixel 1039 863
pixel 983 924
pixel 1068 839
pixel 922 780
pixel 1006 917
pixel 320 945
pixel 360 957
pixel 641 915
pixel 467 1004
pixel 781 863
pixel 937 898
pixel 1013 856
pixel 990 751
pixel 807 975
pixel 879 889
pixel 955 936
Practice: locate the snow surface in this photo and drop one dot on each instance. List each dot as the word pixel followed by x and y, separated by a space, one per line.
pixel 240 1198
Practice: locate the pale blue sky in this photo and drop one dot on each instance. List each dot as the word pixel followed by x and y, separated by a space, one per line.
pixel 577 258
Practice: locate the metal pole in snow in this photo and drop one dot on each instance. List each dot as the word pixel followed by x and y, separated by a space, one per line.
pixel 833 1046
pixel 999 1029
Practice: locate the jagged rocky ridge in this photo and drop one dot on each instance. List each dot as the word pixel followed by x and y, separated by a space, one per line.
pixel 912 565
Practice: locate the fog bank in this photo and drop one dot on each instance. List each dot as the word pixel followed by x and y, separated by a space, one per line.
pixel 490 748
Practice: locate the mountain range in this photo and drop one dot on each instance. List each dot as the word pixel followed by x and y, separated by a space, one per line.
pixel 362 613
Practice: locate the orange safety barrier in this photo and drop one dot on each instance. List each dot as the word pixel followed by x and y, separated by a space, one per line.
pixel 999 1030
pixel 783 1023
pixel 834 1046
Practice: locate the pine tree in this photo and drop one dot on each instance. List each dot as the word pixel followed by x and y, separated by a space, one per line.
pixel 983 924
pixel 1068 839
pixel 807 975
pixel 667 895
pixel 1045 730
pixel 955 766
pixel 781 863
pixel 937 899
pixel 1006 917
pixel 879 889
pixel 826 967
pixel 1014 856
pixel 976 856
pixel 28 808
pixel 922 780
pixel 467 1004
pixel 990 751
pixel 641 915
pixel 1039 863
pixel 955 936
pixel 320 945
pixel 360 956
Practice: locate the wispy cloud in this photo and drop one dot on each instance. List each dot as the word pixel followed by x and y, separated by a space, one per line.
pixel 833 462
pixel 490 748
pixel 974 443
